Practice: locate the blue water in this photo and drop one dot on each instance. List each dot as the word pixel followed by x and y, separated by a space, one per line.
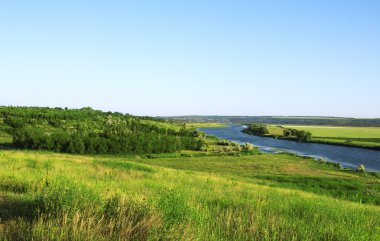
pixel 349 157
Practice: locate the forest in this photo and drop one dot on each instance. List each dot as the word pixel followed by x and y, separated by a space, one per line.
pixel 88 131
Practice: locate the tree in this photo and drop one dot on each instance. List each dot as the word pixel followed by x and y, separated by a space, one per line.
pixel 257 129
pixel 287 132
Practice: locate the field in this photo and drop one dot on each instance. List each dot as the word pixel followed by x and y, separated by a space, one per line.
pixel 178 126
pixel 206 125
pixel 340 131
pixel 49 196
pixel 355 136
pixel 282 120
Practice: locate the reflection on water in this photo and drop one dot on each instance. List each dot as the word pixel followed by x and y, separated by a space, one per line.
pixel 347 156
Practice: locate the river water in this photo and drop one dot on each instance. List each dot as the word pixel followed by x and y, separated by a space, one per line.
pixel 349 157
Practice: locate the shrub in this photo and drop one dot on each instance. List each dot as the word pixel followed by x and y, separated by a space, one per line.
pixel 247 146
pixel 321 161
pixel 360 169
pixel 257 129
pixel 237 148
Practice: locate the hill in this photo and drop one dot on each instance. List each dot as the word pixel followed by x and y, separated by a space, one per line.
pixel 88 131
pixel 84 174
pixel 49 196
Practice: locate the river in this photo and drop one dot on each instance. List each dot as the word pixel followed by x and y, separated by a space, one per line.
pixel 349 157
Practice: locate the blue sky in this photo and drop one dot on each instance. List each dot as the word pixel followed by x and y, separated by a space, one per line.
pixel 193 57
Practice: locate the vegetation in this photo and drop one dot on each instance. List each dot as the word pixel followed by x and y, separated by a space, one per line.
pixel 368 137
pixel 263 130
pixel 300 135
pixel 353 136
pixel 49 196
pixel 170 183
pixel 283 120
pixel 257 129
pixel 87 131
pixel 361 168
pixel 206 125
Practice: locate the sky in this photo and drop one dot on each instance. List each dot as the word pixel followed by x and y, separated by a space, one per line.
pixel 185 57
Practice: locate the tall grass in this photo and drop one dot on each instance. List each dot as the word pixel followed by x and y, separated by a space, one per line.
pixel 84 198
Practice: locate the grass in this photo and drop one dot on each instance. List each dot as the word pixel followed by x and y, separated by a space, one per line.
pixel 341 131
pixel 178 126
pixel 206 124
pixel 5 140
pixel 355 136
pixel 48 196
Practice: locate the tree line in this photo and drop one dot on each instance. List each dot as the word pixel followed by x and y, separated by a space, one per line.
pixel 262 130
pixel 300 135
pixel 88 131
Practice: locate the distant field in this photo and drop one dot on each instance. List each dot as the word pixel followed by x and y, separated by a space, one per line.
pixel 188 124
pixel 206 125
pixel 340 131
pixel 359 136
pixel 282 120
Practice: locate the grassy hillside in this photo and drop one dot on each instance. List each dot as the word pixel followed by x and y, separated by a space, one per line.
pixel 47 196
pixel 149 179
pixel 88 131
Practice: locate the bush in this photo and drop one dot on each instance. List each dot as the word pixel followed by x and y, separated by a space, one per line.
pixel 257 129
pixel 237 148
pixel 360 169
pixel 321 161
pixel 247 146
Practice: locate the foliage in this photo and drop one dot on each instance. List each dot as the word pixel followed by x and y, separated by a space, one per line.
pixel 361 168
pixel 344 135
pixel 247 146
pixel 257 129
pixel 87 131
pixel 252 197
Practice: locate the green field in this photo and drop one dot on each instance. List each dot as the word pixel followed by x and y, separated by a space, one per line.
pixel 48 196
pixel 340 131
pixel 178 126
pixel 206 124
pixel 355 136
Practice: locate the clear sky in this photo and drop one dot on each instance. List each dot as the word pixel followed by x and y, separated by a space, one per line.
pixel 202 57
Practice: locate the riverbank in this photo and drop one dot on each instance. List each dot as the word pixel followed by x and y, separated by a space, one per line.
pixel 375 148
pixel 357 137
pixel 350 157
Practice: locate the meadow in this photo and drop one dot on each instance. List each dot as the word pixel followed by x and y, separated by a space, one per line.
pixel 184 196
pixel 347 135
pixel 177 125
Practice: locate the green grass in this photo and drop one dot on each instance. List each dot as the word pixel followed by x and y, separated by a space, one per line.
pixel 47 196
pixel 206 124
pixel 355 136
pixel 5 140
pixel 178 126
pixel 340 131
pixel 275 130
